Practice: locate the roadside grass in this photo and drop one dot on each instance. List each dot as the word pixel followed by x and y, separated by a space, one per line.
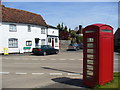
pixel 115 84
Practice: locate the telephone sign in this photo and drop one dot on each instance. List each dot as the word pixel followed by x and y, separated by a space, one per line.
pixel 97 54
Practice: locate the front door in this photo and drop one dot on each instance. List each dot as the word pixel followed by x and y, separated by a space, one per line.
pixel 53 42
pixel 37 42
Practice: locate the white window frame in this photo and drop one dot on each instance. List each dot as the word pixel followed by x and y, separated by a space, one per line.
pixel 42 41
pixel 56 40
pixel 42 30
pixel 12 28
pixel 49 40
pixel 13 43
pixel 29 28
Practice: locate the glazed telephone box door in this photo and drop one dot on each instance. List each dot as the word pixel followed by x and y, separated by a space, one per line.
pixel 90 58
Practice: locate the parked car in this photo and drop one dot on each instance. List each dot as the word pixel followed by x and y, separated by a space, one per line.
pixel 80 45
pixel 44 50
pixel 73 47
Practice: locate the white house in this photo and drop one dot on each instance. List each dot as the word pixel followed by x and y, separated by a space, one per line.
pixel 53 36
pixel 22 30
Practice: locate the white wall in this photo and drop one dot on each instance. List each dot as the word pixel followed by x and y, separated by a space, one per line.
pixel 22 35
pixel 53 32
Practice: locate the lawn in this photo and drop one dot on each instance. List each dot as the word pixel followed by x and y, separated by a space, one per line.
pixel 112 84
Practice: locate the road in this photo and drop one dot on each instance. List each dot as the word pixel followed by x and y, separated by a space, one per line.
pixel 30 71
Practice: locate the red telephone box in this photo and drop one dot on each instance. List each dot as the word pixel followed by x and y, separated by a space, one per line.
pixel 97 54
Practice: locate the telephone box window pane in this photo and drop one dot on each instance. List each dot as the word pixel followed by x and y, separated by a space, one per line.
pixel 90 73
pixel 90 77
pixel 90 56
pixel 90 67
pixel 89 31
pixel 90 39
pixel 90 51
pixel 90 62
pixel 90 45
pixel 104 30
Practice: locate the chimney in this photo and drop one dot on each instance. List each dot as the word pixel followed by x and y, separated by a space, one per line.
pixel 80 29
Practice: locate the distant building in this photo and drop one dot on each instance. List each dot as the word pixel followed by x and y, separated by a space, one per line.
pixel 22 30
pixel 117 39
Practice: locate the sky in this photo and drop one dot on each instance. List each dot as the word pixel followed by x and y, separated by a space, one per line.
pixel 72 14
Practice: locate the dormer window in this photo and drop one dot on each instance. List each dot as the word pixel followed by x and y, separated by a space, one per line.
pixel 12 28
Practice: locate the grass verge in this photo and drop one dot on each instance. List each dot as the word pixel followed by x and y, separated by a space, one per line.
pixel 113 84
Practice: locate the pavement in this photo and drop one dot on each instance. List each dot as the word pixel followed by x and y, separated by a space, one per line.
pixel 63 70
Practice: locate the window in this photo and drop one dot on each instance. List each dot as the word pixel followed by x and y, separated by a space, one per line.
pixel 42 41
pixel 49 40
pixel 90 45
pixel 12 28
pixel 90 39
pixel 28 43
pixel 90 50
pixel 90 56
pixel 42 30
pixel 29 28
pixel 104 30
pixel 89 31
pixel 56 40
pixel 13 43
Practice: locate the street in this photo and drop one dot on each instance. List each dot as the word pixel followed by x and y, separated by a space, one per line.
pixel 30 71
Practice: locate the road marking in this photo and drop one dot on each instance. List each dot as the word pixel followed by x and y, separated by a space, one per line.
pixel 53 59
pixel 27 63
pixel 25 59
pixel 71 59
pixel 19 73
pixel 73 74
pixel 75 77
pixel 62 59
pixel 4 72
pixel 80 59
pixel 55 73
pixel 37 73
pixel 43 59
pixel 35 59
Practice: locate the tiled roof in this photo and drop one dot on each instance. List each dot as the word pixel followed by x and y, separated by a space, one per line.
pixel 21 16
pixel 117 34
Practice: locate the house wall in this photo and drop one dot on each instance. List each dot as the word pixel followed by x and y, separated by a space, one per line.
pixel 53 34
pixel 22 35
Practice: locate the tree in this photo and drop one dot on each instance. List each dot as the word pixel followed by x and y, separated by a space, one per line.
pixel 65 28
pixel 64 35
pixel 69 30
pixel 79 39
pixel 63 32
pixel 58 26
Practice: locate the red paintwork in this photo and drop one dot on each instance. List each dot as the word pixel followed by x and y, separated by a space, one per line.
pixel 103 61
